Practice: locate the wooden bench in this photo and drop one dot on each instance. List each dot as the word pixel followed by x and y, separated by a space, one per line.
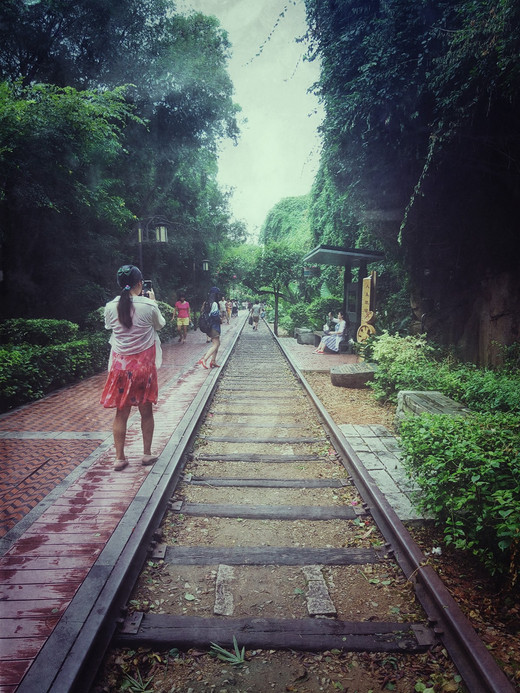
pixel 416 402
pixel 344 345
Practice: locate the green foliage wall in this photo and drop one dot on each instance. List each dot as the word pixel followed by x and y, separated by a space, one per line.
pixel 110 113
pixel 421 150
pixel 289 221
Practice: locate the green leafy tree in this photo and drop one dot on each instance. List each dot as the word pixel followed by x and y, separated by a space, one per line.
pixel 52 141
pixel 108 170
pixel 277 266
pixel 421 148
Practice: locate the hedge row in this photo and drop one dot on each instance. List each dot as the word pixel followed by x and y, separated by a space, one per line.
pixel 468 469
pixel 37 332
pixel 29 372
pixel 411 363
pixel 469 474
pixel 38 356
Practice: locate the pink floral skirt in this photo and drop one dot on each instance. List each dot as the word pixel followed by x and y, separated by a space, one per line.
pixel 132 380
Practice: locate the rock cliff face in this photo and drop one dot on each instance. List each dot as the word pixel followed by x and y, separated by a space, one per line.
pixel 477 318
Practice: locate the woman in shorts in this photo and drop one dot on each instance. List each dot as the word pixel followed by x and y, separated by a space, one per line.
pixel 182 313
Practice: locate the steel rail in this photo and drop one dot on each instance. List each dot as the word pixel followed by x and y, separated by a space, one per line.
pixel 475 664
pixel 70 659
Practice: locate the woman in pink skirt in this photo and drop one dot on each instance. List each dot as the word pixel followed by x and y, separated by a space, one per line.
pixel 135 356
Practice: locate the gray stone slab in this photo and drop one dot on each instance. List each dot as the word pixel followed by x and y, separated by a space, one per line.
pixel 358 444
pixel 384 481
pixel 355 375
pixel 371 461
pixel 392 445
pixel 390 461
pixel 55 435
pixel 318 598
pixel 224 602
pixel 376 445
pixel 416 402
pixel 349 430
pixel 376 430
pixel 404 507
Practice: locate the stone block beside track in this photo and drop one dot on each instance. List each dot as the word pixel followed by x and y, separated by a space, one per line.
pixel 416 402
pixel 354 375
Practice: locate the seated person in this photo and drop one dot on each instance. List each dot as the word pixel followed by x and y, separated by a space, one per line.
pixel 332 341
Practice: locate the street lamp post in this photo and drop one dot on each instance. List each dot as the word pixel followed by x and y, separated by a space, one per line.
pixel 160 228
pixel 199 280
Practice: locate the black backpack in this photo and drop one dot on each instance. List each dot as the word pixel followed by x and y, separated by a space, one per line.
pixel 204 321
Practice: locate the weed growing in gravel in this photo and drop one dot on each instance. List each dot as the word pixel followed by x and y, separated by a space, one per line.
pixel 235 658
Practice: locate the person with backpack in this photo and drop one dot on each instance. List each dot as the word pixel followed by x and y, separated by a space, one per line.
pixel 212 317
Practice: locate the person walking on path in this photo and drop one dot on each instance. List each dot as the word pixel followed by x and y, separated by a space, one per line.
pixel 222 307
pixel 134 358
pixel 332 341
pixel 255 314
pixel 214 333
pixel 229 308
pixel 182 313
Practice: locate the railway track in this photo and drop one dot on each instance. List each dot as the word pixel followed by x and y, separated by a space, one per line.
pixel 266 531
pixel 276 538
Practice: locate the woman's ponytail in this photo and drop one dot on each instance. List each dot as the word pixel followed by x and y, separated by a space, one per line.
pixel 128 276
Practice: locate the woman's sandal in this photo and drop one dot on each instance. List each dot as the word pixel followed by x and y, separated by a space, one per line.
pixel 214 365
pixel 120 464
pixel 149 459
pixel 200 362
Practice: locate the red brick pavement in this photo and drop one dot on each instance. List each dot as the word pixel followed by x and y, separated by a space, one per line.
pixel 30 468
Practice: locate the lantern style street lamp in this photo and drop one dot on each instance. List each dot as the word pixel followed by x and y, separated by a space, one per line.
pixel 144 229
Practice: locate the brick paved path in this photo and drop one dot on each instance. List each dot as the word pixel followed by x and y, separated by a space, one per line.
pixel 42 442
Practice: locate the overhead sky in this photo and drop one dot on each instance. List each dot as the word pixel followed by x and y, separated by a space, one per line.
pixel 278 152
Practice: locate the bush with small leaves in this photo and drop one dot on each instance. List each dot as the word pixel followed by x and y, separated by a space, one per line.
pixel 468 470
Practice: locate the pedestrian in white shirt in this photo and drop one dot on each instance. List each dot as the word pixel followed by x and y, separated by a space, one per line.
pixel 134 358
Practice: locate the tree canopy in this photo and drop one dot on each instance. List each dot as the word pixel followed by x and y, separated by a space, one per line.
pixel 112 112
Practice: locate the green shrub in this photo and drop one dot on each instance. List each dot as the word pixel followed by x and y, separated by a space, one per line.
pixel 29 372
pixel 487 390
pixel 169 331
pixel 37 332
pixel 319 309
pixel 404 363
pixel 411 363
pixel 298 316
pixel 469 473
pixel 95 321
pixel 290 315
pixel 20 379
